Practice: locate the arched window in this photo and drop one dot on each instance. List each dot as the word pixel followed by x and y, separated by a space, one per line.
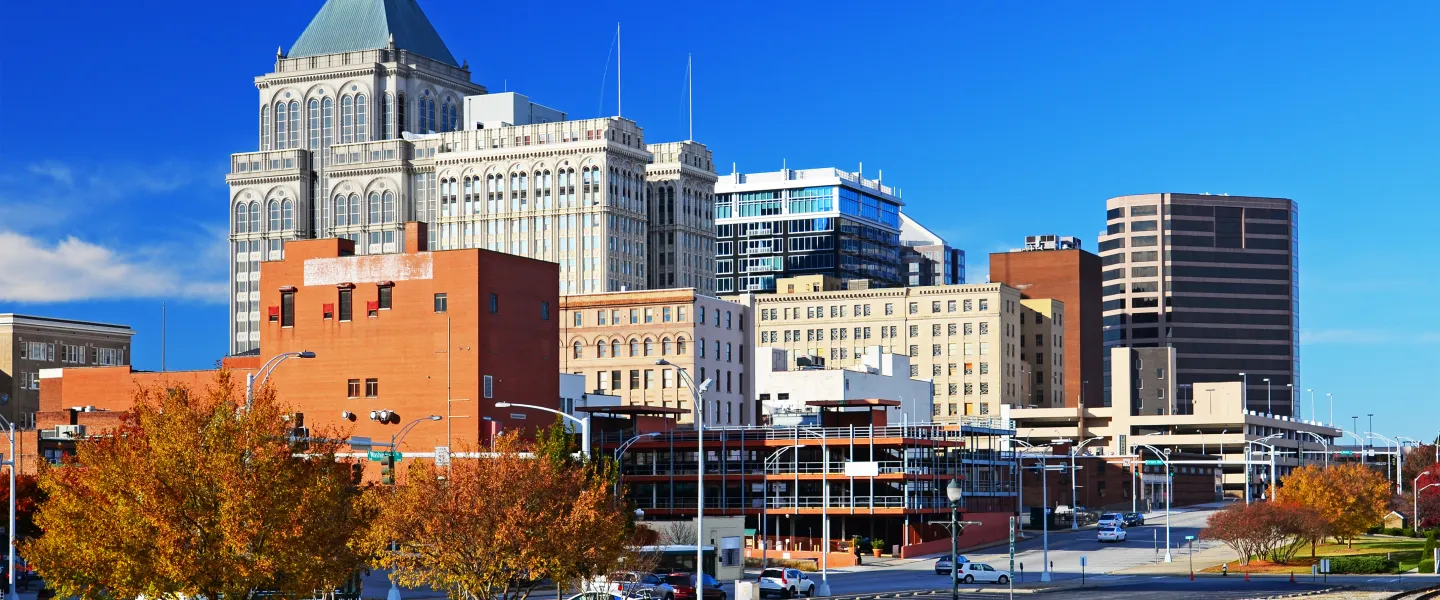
pixel 265 127
pixel 341 211
pixel 421 126
pixel 600 349
pixel 400 114
pixel 294 124
pixel 388 207
pixel 649 347
pixel 430 113
pixel 280 125
pixel 313 124
pixel 254 217
pixel 241 217
pixel 387 114
pixel 361 130
pixel 347 120
pixel 701 346
pixel 454 118
pixel 615 348
pixel 666 347
pixel 718 356
pixel 287 214
pixel 680 345
pixel 374 208
pixel 578 352
pixel 354 209
pixel 329 134
pixel 444 115
pixel 274 215
pixel 634 348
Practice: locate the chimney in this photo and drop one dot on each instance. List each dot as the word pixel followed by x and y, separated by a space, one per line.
pixel 416 237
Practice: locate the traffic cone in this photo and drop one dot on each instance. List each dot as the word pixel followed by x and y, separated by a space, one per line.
pixel 1192 576
pixel 1247 576
pixel 1292 577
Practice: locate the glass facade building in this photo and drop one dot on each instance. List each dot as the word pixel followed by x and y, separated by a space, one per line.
pixel 805 222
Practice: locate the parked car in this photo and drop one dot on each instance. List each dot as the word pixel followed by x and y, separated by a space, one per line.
pixel 597 596
pixel 786 583
pixel 683 585
pixel 632 584
pixel 1111 520
pixel 942 566
pixel 1133 518
pixel 1111 534
pixel 983 573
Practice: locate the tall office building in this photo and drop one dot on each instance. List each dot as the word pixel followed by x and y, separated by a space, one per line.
pixel 29 345
pixel 1214 277
pixel 805 222
pixel 369 121
pixel 928 259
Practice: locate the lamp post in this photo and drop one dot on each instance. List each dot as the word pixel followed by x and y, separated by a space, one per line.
pixel 268 368
pixel 1019 477
pixel 765 506
pixel 1269 407
pixel 1290 390
pixel 621 452
pixel 1312 402
pixel 1074 499
pixel 952 492
pixel 1332 408
pixel 584 423
pixel 1044 470
pixel 1415 497
pixel 1261 442
pixel 1399 481
pixel 399 436
pixel 697 395
pixel 1169 492
pixel 1323 444
pixel 1244 392
pixel 13 464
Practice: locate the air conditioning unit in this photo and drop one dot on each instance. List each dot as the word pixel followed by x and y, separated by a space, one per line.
pixel 71 431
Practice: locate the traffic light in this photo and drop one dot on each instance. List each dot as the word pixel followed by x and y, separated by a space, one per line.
pixel 387 469
pixel 357 473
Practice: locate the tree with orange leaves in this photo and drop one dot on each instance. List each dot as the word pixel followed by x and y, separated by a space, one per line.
pixel 493 527
pixel 195 496
pixel 1350 498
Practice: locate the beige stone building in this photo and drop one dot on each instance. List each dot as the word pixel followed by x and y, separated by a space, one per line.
pixel 30 344
pixel 965 338
pixel 368 122
pixel 614 340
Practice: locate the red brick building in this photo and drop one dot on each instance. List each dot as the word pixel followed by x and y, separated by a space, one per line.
pixel 415 334
pixel 1072 277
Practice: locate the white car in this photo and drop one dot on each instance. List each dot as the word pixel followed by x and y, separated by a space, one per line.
pixel 983 573
pixel 786 583
pixel 1111 534
pixel 1111 520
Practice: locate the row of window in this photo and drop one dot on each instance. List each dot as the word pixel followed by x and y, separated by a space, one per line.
pixel 71 354
pixel 644 379
pixel 863 310
pixel 343 308
pixel 354 120
pixel 248 215
pixel 666 314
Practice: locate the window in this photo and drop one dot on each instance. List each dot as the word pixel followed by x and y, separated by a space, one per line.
pixel 950 306
pixel 680 345
pixel 914 331
pixel 914 350
pixel 287 309
pixel 984 305
pixel 649 378
pixel 372 388
pixel 576 352
pixel 352 388
pixel 935 307
pixel 649 347
pixel 494 303
pixel 385 297
pixel 489 386
pixel 889 308
pixel 984 328
pixel 914 307
pixel 666 347
pixel 580 319
pixel 634 347
pixel 665 312
pixel 634 379
pixel 545 311
pixel 634 316
pixel 441 303
pixel 345 305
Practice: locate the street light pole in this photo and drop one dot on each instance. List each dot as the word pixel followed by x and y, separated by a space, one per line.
pixel 1074 499
pixel 1323 444
pixel 1312 402
pixel 1399 481
pixel 267 369
pixel 1169 494
pixel 952 492
pixel 395 439
pixel 1269 407
pixel 1244 392
pixel 765 506
pixel 584 423
pixel 13 464
pixel 697 394
pixel 1290 390
pixel 619 452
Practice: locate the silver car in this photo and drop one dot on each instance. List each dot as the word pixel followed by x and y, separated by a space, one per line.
pixel 943 567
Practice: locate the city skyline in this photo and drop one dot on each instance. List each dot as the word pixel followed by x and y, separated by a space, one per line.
pixel 136 214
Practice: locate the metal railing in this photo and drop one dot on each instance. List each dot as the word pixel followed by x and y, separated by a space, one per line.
pixel 939 432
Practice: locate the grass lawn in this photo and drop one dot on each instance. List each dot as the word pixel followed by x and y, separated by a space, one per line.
pixel 1405 551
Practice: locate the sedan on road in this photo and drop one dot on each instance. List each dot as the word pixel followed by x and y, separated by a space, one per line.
pixel 683 585
pixel 942 566
pixel 983 573
pixel 1110 534
pixel 1132 519
pixel 786 583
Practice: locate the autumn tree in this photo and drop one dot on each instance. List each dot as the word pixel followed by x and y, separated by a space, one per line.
pixel 1419 460
pixel 492 527
pixel 1268 530
pixel 27 499
pixel 193 495
pixel 1350 498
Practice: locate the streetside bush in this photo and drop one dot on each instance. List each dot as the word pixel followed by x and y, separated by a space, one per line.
pixel 1427 566
pixel 1362 564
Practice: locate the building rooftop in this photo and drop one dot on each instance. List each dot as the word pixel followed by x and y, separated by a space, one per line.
pixel 797 178
pixel 352 25
pixel 13 319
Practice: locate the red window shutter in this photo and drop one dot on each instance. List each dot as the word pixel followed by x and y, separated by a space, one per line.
pixel 328 308
pixel 274 311
pixel 372 305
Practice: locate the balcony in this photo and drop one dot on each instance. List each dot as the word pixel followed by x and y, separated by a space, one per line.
pixel 253 163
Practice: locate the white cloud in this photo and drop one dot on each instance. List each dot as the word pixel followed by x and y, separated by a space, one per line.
pixel 52 194
pixel 1366 336
pixel 73 269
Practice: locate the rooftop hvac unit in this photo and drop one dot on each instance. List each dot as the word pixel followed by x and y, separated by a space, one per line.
pixel 71 431
pixel 812 361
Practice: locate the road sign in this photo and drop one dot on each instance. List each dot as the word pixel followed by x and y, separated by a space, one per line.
pixel 1082 561
pixel 442 456
pixel 1324 565
pixel 1014 524
pixel 1154 463
pixel 1189 538
pixel 379 455
pixel 1346 453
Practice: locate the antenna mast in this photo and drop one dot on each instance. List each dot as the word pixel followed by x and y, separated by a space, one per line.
pixel 690 68
pixel 617 70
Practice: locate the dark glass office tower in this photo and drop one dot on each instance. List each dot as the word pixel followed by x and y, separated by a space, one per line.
pixel 1216 278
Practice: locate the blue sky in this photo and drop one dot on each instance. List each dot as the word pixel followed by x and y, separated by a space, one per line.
pixel 997 120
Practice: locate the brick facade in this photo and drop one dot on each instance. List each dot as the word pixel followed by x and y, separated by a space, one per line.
pixel 1072 277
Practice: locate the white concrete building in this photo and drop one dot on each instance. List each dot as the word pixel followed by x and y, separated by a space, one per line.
pixel 784 385
pixel 361 130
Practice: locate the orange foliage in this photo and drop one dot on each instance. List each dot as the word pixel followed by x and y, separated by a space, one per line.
pixel 493 527
pixel 1350 498
pixel 193 495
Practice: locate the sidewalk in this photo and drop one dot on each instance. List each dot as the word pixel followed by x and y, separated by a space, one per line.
pixel 1204 559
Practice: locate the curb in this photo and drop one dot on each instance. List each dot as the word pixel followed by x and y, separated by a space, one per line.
pixel 916 593
pixel 1309 593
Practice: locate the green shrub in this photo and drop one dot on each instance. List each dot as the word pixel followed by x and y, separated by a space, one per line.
pixel 1362 564
pixel 1429 544
pixel 1394 531
pixel 1427 566
pixel 1376 529
pixel 1408 532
